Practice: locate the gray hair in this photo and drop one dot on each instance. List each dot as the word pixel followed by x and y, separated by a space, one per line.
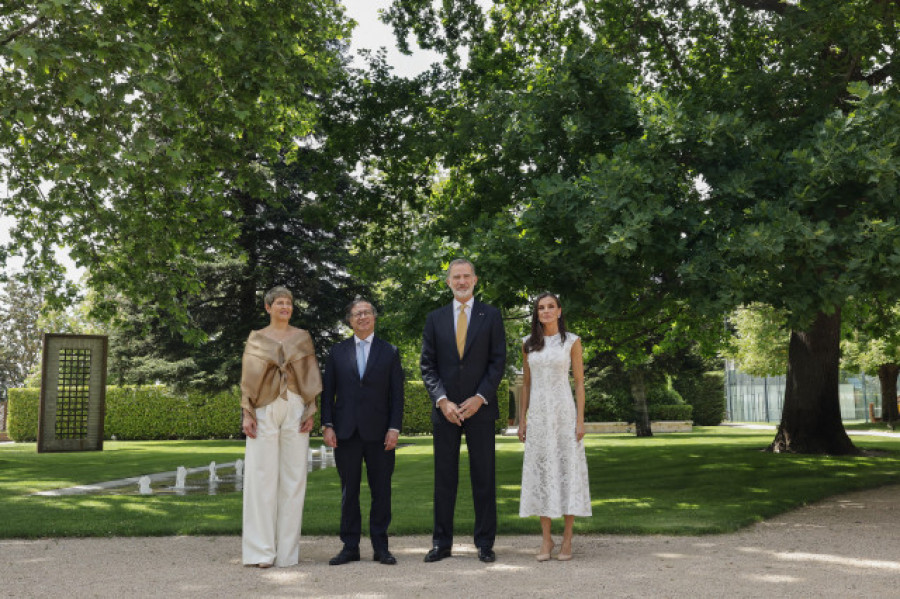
pixel 275 292
pixel 457 262
pixel 348 311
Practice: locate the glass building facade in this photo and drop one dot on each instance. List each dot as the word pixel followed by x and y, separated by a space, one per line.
pixel 760 399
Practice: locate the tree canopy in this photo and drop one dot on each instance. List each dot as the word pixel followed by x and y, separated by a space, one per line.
pixel 125 128
pixel 765 167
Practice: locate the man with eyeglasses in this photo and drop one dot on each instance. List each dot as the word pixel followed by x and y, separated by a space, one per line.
pixel 362 412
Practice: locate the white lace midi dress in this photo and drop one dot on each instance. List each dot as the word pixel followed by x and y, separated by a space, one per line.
pixel 554 470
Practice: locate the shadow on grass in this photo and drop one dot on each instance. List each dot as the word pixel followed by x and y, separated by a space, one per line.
pixel 693 483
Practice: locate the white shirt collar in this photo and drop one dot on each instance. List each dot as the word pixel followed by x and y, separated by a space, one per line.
pixel 457 304
pixel 357 340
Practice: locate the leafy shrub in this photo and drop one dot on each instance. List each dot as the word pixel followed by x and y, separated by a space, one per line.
pixel 157 412
pixel 608 399
pixel 22 413
pixel 664 395
pixel 706 393
pixel 607 396
pixel 670 412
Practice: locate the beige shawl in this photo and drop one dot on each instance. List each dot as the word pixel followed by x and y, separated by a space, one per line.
pixel 271 368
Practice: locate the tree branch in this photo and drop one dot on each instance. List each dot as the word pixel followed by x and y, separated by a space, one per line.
pixel 880 75
pixel 22 30
pixel 670 50
pixel 776 6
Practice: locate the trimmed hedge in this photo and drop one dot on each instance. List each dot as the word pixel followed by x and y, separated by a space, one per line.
pixel 417 408
pixel 143 413
pixel 22 408
pixel 156 413
pixel 706 393
pixel 670 412
pixel 664 395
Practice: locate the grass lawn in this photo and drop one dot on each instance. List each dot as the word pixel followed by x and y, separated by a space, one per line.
pixel 869 426
pixel 713 480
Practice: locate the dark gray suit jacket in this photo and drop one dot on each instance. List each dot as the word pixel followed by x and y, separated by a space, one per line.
pixel 371 404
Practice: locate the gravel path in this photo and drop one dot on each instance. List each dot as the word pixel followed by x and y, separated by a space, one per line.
pixel 846 546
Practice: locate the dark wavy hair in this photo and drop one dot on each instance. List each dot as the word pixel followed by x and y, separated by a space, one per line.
pixel 535 341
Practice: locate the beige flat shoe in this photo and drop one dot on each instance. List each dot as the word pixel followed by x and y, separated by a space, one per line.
pixel 263 566
pixel 564 557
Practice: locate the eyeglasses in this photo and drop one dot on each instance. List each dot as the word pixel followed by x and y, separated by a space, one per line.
pixel 362 314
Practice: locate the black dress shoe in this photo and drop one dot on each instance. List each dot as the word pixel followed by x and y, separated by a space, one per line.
pixel 385 557
pixel 346 556
pixel 486 554
pixel 437 554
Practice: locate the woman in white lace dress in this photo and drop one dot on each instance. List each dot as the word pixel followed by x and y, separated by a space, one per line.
pixel 554 471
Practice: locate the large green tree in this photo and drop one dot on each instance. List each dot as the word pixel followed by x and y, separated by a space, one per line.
pixel 20 333
pixel 759 343
pixel 299 241
pixel 537 109
pixel 129 130
pixel 766 169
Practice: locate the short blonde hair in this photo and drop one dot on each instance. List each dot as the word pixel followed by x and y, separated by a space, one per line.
pixel 275 292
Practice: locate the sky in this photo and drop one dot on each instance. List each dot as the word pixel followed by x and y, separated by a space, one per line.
pixel 370 33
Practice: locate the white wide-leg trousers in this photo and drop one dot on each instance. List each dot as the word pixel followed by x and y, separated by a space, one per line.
pixel 275 485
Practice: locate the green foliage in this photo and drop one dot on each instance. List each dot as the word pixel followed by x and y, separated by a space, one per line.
pixel 129 130
pixel 155 412
pixel 20 334
pixel 760 342
pixel 607 397
pixel 417 408
pixel 764 169
pixel 295 241
pixel 23 414
pixel 705 393
pixel 143 413
pixel 158 412
pixel 532 139
pixel 705 482
pixel 664 395
pixel 670 412
pixel 872 336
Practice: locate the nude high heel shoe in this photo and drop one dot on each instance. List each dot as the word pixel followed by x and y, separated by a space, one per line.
pixel 545 557
pixel 564 557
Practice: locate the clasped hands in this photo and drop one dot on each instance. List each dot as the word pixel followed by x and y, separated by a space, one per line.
pixel 457 413
pixel 249 426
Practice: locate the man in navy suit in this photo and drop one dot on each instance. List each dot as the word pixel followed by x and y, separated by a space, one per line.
pixel 362 411
pixel 463 356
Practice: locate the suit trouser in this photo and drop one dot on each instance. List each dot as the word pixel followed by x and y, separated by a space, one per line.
pixel 348 457
pixel 275 484
pixel 479 432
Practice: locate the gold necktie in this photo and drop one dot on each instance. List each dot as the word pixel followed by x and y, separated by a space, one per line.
pixel 461 324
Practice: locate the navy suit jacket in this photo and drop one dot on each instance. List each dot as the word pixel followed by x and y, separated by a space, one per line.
pixel 371 404
pixel 480 369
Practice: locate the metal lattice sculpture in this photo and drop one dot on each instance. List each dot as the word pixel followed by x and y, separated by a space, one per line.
pixel 73 393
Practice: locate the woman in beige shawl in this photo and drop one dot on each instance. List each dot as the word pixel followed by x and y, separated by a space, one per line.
pixel 279 385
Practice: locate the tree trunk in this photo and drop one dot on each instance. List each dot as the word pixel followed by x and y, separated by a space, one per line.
pixel 811 418
pixel 639 395
pixel 887 374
